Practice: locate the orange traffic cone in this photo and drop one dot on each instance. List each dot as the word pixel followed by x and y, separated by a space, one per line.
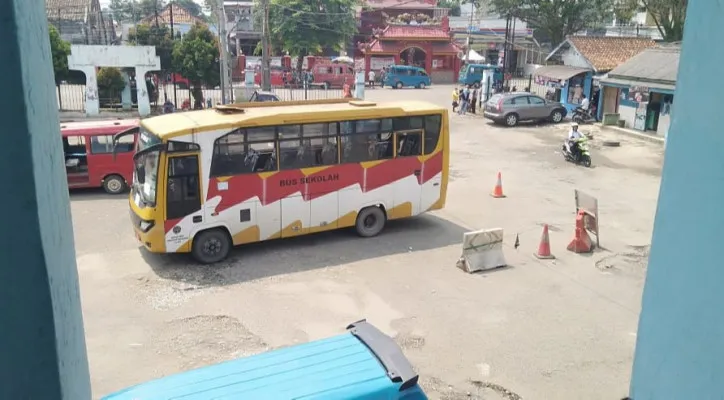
pixel 544 248
pixel 498 189
pixel 581 242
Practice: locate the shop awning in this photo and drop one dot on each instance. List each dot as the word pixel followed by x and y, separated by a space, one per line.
pixel 559 72
pixel 631 83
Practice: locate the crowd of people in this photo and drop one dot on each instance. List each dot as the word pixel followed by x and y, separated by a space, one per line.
pixel 467 99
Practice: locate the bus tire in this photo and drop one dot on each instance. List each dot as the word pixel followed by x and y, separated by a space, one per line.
pixel 476 84
pixel 211 246
pixel 398 85
pixel 114 184
pixel 370 221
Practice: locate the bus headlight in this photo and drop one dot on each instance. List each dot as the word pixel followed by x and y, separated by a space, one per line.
pixel 145 226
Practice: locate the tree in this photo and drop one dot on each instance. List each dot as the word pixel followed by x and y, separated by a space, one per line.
pixel 306 27
pixel 110 84
pixel 557 19
pixel 191 6
pixel 668 15
pixel 453 5
pixel 196 57
pixel 157 36
pixel 135 10
pixel 60 50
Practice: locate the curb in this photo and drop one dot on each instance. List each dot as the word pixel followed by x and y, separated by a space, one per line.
pixel 628 132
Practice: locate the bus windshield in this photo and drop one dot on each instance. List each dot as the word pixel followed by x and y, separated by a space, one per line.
pixel 145 175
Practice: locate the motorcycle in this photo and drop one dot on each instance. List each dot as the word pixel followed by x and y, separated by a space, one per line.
pixel 582 156
pixel 582 116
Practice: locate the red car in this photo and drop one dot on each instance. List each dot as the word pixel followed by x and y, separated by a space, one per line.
pixel 89 157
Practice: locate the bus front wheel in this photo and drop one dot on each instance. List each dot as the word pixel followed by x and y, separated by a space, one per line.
pixel 211 246
pixel 370 221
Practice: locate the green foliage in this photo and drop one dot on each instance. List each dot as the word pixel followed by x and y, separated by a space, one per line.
pixel 157 36
pixel 668 15
pixel 110 80
pixel 191 6
pixel 556 18
pixel 135 10
pixel 453 5
pixel 306 27
pixel 60 50
pixel 196 56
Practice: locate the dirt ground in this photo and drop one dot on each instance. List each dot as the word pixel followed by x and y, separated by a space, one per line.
pixel 558 329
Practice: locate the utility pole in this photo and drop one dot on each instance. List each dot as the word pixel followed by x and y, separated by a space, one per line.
pixel 223 54
pixel 265 56
pixel 173 73
pixel 470 31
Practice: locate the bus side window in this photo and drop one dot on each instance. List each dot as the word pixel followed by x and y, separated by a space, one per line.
pixel 323 143
pixel 409 143
pixel 368 142
pixel 292 150
pixel 244 151
pixel 432 132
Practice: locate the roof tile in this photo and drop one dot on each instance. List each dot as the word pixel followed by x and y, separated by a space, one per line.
pixel 607 52
pixel 180 16
pixel 72 10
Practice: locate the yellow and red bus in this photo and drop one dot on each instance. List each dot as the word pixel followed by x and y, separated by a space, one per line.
pixel 207 180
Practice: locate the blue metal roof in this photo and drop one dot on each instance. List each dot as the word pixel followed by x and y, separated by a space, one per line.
pixel 340 367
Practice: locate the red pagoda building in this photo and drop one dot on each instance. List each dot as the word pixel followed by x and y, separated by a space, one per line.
pixel 414 39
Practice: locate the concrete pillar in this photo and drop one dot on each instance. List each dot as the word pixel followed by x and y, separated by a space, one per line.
pixel 126 98
pixel 144 103
pixel 680 338
pixel 41 324
pixel 92 104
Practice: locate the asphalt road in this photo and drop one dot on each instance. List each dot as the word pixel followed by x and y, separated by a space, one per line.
pixel 560 329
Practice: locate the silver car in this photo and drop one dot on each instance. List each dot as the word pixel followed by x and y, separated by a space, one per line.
pixel 511 108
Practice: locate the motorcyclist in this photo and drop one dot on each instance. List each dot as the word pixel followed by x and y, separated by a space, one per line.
pixel 573 136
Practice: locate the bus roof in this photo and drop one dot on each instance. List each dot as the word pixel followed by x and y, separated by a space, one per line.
pixel 282 112
pixel 98 127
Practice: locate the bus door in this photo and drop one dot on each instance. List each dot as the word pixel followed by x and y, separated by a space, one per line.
pixel 408 148
pixel 76 160
pixel 183 198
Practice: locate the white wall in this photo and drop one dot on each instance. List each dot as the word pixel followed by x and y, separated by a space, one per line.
pixel 664 122
pixel 572 58
pixel 627 114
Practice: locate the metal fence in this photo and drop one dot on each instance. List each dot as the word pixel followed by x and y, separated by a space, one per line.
pixel 72 97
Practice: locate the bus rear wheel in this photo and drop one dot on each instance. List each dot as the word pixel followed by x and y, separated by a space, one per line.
pixel 370 221
pixel 211 246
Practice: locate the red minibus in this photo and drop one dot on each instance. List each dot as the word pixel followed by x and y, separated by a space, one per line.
pixel 89 157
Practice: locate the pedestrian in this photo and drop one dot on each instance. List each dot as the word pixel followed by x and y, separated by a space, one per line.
pixel 455 99
pixel 474 100
pixel 371 78
pixel 464 101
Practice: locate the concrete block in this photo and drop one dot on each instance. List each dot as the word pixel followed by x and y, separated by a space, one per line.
pixel 482 250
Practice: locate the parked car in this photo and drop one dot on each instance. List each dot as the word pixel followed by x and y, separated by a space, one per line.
pixel 399 76
pixel 261 96
pixel 511 108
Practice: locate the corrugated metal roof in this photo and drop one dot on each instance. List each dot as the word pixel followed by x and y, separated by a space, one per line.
pixel 560 72
pixel 660 64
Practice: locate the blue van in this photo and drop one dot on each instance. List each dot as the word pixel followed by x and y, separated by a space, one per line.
pixel 362 364
pixel 472 74
pixel 399 76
